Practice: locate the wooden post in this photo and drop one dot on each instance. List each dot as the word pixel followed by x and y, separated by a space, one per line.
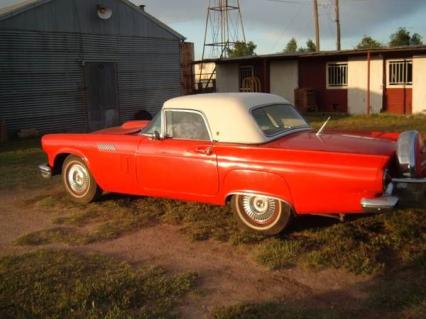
pixel 337 24
pixel 316 24
pixel 368 106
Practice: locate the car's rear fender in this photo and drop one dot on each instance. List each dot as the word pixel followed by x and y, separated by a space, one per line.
pixel 242 181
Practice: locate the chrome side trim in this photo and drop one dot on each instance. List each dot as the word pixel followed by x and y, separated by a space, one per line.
pixel 409 180
pixel 406 152
pixel 379 203
pixel 106 147
pixel 45 171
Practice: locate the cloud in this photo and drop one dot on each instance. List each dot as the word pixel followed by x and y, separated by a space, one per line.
pixel 358 17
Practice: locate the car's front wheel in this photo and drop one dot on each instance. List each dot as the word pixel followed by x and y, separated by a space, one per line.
pixel 78 181
pixel 264 214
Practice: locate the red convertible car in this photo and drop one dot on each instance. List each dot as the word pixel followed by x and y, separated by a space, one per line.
pixel 254 150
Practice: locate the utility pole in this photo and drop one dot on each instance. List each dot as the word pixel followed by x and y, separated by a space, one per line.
pixel 316 23
pixel 337 24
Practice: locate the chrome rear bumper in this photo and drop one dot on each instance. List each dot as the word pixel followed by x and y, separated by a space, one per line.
pixel 45 171
pixel 379 203
pixel 388 201
pixel 384 202
pixel 409 180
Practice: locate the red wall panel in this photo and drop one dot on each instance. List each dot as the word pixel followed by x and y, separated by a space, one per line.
pixel 399 100
pixel 312 74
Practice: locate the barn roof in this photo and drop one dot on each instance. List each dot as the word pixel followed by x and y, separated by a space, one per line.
pixel 20 6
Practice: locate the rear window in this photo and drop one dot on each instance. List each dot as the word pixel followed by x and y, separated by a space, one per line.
pixel 278 118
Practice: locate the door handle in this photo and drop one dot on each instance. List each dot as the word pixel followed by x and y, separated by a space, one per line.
pixel 206 150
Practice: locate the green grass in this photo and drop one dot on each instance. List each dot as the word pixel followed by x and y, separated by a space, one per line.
pixel 376 122
pixel 114 216
pixel 52 235
pixel 62 284
pixel 399 295
pixel 368 245
pixel 18 165
pixel 276 310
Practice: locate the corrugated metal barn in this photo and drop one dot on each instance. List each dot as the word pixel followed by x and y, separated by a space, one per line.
pixel 81 65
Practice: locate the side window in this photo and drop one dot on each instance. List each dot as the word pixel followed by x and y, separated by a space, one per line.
pixel 186 125
pixel 155 125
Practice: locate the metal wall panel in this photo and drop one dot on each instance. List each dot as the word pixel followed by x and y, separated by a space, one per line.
pixel 42 83
pixel 80 16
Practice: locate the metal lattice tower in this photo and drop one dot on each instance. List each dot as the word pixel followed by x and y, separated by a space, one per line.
pixel 224 27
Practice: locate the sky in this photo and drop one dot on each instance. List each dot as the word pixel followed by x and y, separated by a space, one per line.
pixel 270 24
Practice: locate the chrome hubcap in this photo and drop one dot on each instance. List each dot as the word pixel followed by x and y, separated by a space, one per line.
pixel 259 208
pixel 78 178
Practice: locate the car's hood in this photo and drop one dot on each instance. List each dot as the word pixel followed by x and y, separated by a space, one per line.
pixel 335 142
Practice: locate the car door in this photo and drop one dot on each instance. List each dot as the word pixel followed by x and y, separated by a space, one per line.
pixel 182 161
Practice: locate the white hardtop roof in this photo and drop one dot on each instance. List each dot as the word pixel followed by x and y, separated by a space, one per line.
pixel 228 114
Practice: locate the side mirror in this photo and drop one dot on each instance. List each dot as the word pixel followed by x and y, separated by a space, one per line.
pixel 156 135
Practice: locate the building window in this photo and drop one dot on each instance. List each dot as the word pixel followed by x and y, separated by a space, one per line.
pixel 246 72
pixel 249 82
pixel 337 75
pixel 401 72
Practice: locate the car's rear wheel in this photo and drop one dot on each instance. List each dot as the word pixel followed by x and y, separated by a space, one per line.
pixel 263 214
pixel 78 181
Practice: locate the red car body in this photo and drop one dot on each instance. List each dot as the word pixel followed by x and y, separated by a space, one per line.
pixel 329 174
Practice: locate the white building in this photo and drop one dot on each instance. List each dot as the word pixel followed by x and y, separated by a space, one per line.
pixel 353 81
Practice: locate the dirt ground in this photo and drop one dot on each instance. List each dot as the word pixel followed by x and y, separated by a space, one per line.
pixel 227 274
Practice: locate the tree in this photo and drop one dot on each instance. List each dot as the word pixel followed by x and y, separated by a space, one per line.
pixel 291 46
pixel 402 37
pixel 242 49
pixel 416 39
pixel 311 46
pixel 368 42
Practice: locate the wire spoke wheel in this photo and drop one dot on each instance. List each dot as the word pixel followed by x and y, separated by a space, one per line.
pixel 259 209
pixel 261 213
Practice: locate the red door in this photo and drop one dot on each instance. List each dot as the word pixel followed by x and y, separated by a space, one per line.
pixel 173 167
pixel 399 100
pixel 399 93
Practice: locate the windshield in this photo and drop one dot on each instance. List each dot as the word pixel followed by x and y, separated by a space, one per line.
pixel 278 118
pixel 154 125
